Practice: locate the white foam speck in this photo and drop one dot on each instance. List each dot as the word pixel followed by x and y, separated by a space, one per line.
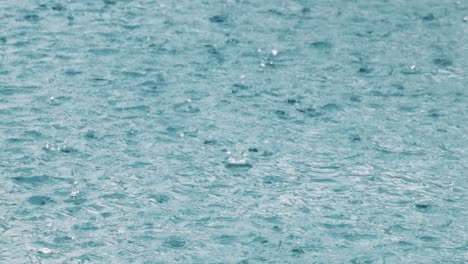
pixel 45 250
pixel 274 52
pixel 413 67
pixel 259 50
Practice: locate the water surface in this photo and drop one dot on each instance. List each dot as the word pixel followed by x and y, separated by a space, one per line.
pixel 233 131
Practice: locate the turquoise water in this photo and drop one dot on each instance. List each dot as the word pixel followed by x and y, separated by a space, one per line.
pixel 234 131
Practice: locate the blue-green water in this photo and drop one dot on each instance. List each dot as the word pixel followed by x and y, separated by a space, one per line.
pixel 234 131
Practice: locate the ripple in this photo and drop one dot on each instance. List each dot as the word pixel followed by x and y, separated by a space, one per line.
pixel 86 227
pixel 58 7
pixel 116 196
pixel 32 17
pixel 322 45
pixel 160 198
pixel 442 62
pixel 175 242
pixel 423 206
pixel 37 180
pixel 185 107
pixel 218 19
pixel 63 239
pixel 40 200
pixel 233 131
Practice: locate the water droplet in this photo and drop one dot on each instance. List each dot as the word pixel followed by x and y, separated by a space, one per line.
pixel 75 193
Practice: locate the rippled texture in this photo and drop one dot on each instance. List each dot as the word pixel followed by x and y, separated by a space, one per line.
pixel 233 131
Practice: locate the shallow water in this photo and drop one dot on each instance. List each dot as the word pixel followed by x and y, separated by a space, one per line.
pixel 233 131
